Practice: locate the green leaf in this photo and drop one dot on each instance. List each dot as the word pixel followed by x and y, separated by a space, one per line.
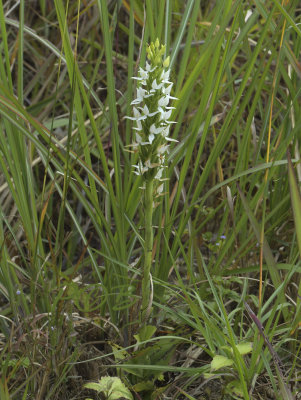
pixel 111 387
pixel 144 385
pixel 119 352
pixel 24 362
pixel 219 362
pixel 158 354
pixel 146 333
pixel 234 387
pixel 244 348
pixel 94 386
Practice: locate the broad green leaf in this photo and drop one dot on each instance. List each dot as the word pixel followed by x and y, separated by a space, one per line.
pixel 244 348
pixel 111 387
pixel 145 333
pixel 234 387
pixel 144 385
pixel 219 362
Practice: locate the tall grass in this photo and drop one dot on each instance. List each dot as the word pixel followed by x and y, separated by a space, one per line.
pixel 71 220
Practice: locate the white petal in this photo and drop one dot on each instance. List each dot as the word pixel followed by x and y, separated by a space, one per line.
pixel 143 74
pixel 145 110
pixel 171 139
pixel 136 113
pixel 152 114
pixel 147 113
pixel 165 76
pixel 138 138
pixel 167 90
pixel 155 130
pixel 166 131
pixel 147 165
pixel 163 101
pixel 162 149
pixel 166 115
pixel 160 188
pixel 151 138
pixel 156 86
pixel 141 93
pixel 131 118
pixel 159 173
pixel 136 101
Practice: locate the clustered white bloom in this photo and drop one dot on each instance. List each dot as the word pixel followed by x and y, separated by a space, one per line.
pixel 151 114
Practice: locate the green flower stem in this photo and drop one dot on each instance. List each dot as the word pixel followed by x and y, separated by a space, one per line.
pixel 148 248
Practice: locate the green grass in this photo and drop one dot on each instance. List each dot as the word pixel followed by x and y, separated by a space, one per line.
pixel 72 219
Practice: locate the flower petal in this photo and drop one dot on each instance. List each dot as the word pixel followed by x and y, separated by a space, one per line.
pixel 163 101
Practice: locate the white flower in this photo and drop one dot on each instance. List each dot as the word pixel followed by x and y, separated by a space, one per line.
pixel 148 95
pixel 151 138
pixel 139 126
pixel 136 112
pixel 160 189
pixel 148 67
pixel 138 138
pixel 154 130
pixel 165 115
pixel 141 169
pixel 167 89
pixel 162 149
pixel 141 93
pixel 148 165
pixel 163 101
pixel 165 76
pixel 159 174
pixel 137 115
pixel 171 139
pixel 143 74
pixel 165 132
pixel 146 112
pixel 156 86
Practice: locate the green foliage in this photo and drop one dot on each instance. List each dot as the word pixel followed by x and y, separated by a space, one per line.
pixel 111 387
pixel 146 365
pixel 234 387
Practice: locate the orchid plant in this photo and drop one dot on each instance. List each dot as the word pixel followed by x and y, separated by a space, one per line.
pixel 152 114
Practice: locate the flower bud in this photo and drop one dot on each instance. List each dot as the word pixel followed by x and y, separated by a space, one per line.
pixel 166 62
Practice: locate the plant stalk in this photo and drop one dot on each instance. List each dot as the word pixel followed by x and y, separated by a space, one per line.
pixel 148 248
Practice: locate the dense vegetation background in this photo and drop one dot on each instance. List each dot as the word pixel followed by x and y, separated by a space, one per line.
pixel 227 230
